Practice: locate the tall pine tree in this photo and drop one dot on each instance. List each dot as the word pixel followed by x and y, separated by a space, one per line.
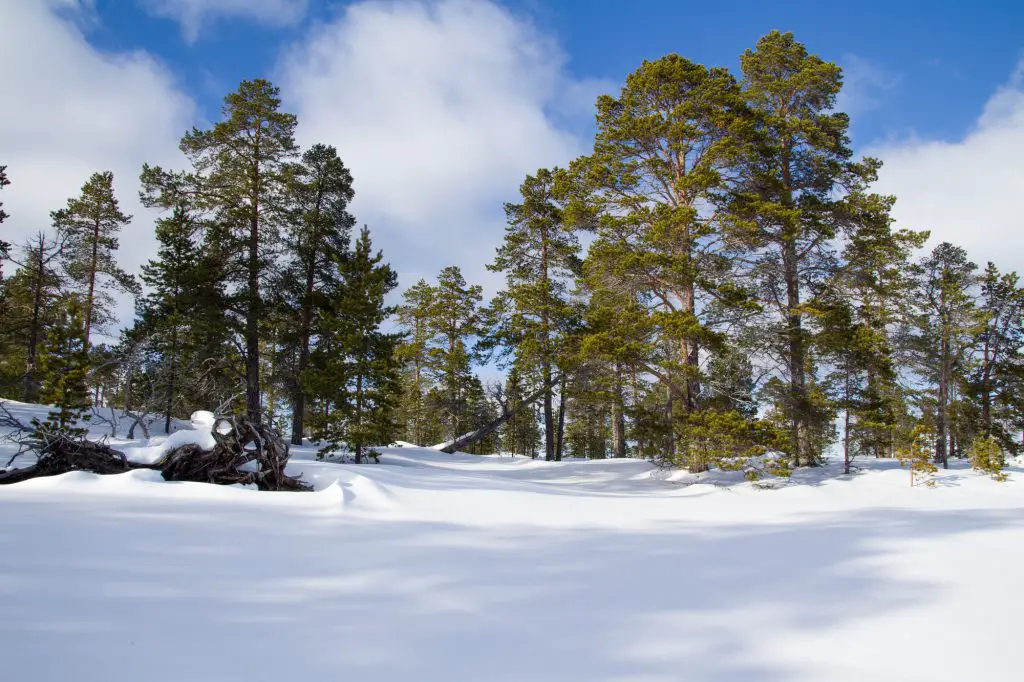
pixel 456 322
pixel 91 222
pixel 415 314
pixel 946 319
pixel 241 176
pixel 540 259
pixel 788 206
pixel 356 370
pixel 317 246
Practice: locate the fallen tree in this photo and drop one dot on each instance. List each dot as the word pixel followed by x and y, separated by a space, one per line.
pixel 59 454
pixel 244 453
pixel 507 412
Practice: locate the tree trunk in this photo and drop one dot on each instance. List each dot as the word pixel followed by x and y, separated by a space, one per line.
pixel 92 280
pixel 549 426
pixel 253 407
pixel 359 415
pixel 986 392
pixel 618 418
pixel 799 426
pixel 305 330
pixel 941 454
pixel 560 435
pixel 417 429
pixel 169 403
pixel 29 388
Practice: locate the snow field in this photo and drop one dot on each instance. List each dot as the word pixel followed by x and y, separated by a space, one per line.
pixel 454 567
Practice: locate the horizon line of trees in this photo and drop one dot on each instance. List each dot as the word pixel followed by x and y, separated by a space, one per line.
pixel 742 291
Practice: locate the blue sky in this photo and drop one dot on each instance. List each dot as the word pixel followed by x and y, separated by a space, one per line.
pixel 440 107
pixel 923 67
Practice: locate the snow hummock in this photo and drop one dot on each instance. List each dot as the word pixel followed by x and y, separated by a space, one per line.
pixel 462 568
pixel 158 446
pixel 203 420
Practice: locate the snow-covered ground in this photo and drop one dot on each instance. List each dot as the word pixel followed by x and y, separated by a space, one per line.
pixel 459 568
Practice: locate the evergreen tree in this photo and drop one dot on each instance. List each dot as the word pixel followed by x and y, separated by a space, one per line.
pixel 874 279
pixel 997 383
pixel 317 245
pixel 986 456
pixel 32 293
pixel 480 411
pixel 182 292
pixel 415 316
pixel 241 176
pixel 64 366
pixel 945 320
pixel 456 322
pixel 540 259
pixel 355 368
pixel 660 162
pixel 916 456
pixel 595 415
pixel 521 433
pixel 787 207
pixel 91 222
pixel 856 311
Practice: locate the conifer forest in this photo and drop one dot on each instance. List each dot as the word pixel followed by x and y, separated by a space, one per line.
pixel 714 282
pixel 709 407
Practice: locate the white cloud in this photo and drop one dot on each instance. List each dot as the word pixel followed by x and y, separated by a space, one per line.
pixel 439 109
pixel 193 15
pixel 70 111
pixel 968 192
pixel 865 83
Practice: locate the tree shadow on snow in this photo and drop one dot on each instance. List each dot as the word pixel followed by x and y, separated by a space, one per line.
pixel 165 593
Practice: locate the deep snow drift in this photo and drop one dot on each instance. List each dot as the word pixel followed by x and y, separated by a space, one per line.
pixel 459 568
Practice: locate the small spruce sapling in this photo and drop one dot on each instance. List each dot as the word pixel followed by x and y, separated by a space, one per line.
pixel 918 458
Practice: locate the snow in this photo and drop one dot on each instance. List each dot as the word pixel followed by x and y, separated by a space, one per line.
pixel 431 566
pixel 157 446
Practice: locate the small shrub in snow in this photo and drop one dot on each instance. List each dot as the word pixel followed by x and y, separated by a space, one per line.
pixel 918 458
pixel 733 442
pixel 987 457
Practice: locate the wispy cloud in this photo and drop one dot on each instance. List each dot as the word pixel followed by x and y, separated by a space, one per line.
pixel 195 15
pixel 966 191
pixel 440 109
pixel 866 83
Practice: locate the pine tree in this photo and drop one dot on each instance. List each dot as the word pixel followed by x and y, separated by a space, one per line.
pixel 945 320
pixel 91 222
pixel 986 456
pixel 997 383
pixel 480 411
pixel 786 206
pixel 241 176
pixel 355 368
pixel 177 281
pixel 856 310
pixel 32 293
pixel 540 259
pixel 874 279
pixel 316 245
pixel 661 156
pixel 917 457
pixel 456 322
pixel 520 433
pixel 64 366
pixel 415 316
